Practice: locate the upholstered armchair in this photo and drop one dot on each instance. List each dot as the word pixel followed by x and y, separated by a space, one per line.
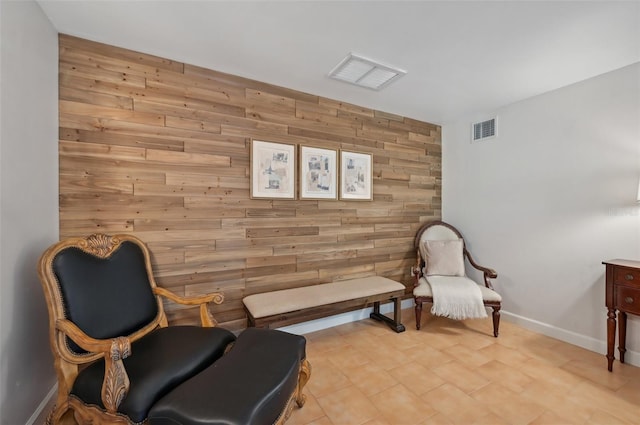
pixel 113 350
pixel 440 277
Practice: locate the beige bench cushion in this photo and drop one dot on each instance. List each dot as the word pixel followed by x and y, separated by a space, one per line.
pixel 424 290
pixel 288 300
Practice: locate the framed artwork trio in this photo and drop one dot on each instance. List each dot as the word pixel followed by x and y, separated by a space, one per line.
pixel 322 174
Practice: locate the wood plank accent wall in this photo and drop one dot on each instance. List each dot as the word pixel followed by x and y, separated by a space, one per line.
pixel 160 149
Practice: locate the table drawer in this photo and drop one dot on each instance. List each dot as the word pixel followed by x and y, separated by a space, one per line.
pixel 628 299
pixel 625 276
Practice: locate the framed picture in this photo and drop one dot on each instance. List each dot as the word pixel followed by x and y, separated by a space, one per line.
pixel 356 178
pixel 273 170
pixel 318 173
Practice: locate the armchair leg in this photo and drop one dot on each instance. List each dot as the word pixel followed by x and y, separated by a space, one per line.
pixel 418 314
pixel 305 374
pixel 496 320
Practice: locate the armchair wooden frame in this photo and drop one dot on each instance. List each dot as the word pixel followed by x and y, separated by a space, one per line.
pixel 68 363
pixel 487 272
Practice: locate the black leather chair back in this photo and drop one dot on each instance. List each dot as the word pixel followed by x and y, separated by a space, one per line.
pixel 105 297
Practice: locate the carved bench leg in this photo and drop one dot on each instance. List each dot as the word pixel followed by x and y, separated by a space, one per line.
pixel 394 323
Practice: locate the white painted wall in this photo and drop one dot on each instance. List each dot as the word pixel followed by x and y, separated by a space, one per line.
pixel 28 203
pixel 550 198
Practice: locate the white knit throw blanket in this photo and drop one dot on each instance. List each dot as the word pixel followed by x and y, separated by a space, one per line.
pixel 456 298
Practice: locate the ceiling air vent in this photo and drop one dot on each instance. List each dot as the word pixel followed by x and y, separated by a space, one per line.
pixel 484 130
pixel 364 72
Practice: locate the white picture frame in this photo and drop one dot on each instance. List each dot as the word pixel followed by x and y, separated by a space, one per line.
pixel 318 173
pixel 272 169
pixel 356 176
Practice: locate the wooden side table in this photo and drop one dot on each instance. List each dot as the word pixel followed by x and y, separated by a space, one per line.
pixel 623 294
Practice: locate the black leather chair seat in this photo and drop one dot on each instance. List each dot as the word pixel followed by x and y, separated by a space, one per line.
pixel 159 362
pixel 250 385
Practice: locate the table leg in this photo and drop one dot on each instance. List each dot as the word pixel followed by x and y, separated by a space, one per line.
pixel 622 334
pixel 397 311
pixel 611 337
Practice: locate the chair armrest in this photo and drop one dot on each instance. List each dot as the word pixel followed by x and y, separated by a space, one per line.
pixel 115 385
pixel 488 272
pixel 83 340
pixel 416 270
pixel 203 301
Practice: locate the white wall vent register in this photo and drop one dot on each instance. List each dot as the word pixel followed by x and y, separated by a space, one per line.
pixel 484 130
pixel 364 72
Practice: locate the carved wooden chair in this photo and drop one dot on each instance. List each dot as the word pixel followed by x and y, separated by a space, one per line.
pixel 441 252
pixel 113 350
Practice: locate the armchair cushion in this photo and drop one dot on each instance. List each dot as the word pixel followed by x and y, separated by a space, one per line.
pixel 444 257
pixel 158 363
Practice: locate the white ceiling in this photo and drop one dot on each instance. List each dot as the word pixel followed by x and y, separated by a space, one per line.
pixel 460 57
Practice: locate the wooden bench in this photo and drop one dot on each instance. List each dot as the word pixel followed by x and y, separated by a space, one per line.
pixel 296 305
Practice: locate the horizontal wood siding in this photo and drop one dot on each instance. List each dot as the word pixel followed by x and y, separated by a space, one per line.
pixel 160 149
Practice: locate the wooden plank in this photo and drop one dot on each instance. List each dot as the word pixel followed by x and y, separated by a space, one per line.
pixel 172 224
pixel 96 150
pixel 195 125
pixel 274 104
pixel 119 139
pixel 195 88
pixel 85 183
pixel 185 158
pixel 95 98
pixel 84 122
pixel 182 191
pixel 186 102
pixel 87 109
pixel 120 79
pixel 418 152
pixel 100 62
pixel 390 117
pixel 363 119
pixel 213 116
pixel 258 284
pixel 348 107
pixel 203 256
pixel 315 119
pixel 344 273
pixel 281 232
pixel 119 54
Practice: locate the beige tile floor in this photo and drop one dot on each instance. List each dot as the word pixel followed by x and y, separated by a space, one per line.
pixel 453 372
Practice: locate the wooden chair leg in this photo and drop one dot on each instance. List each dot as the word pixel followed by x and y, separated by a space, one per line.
pixel 418 314
pixel 303 378
pixel 496 320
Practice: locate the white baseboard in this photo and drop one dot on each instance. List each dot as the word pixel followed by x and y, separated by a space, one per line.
pixel 40 415
pixel 340 319
pixel 586 342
